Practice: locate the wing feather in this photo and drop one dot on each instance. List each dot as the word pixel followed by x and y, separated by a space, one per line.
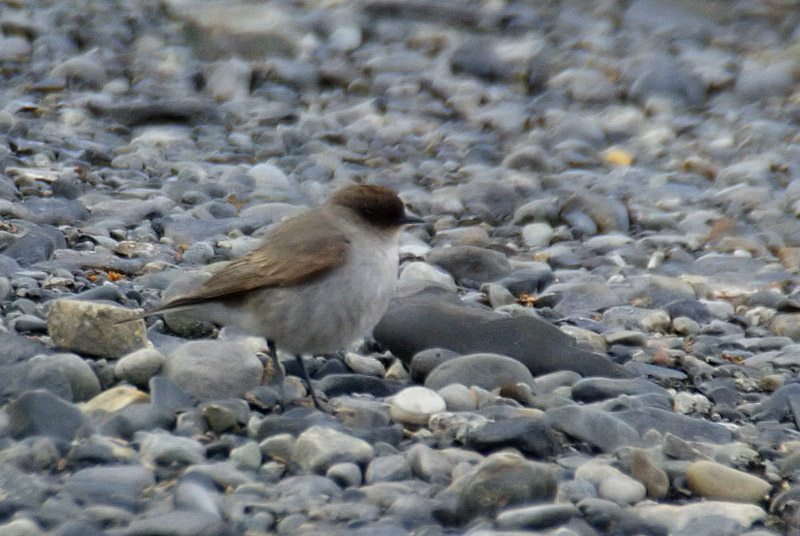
pixel 283 259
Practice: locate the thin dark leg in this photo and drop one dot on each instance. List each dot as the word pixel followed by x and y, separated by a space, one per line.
pixel 279 376
pixel 308 381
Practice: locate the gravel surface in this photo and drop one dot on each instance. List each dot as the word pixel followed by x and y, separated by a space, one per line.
pixel 596 330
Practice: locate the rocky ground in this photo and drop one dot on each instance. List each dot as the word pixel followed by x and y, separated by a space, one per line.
pixel 596 328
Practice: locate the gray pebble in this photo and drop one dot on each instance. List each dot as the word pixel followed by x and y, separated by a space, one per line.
pixel 195 367
pixel 318 448
pixel 346 474
pixel 40 412
pixel 387 469
pixel 139 366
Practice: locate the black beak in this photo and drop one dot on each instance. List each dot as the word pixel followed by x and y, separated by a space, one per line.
pixel 410 220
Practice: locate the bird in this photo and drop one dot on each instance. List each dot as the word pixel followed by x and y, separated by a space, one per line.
pixel 316 282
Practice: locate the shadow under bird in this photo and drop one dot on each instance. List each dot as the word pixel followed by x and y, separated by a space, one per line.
pixel 317 282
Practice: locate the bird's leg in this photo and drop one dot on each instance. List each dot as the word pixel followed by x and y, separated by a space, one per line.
pixel 279 376
pixel 308 381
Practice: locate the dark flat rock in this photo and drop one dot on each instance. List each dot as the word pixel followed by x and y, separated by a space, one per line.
pixel 683 426
pixel 598 428
pixel 412 327
pixel 530 435
pixel 594 389
pixel 40 412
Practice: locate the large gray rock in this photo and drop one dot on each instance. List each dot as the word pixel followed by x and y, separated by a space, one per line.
pixel 41 412
pixel 488 371
pixel 214 369
pixel 320 447
pixel 431 320
pixel 501 480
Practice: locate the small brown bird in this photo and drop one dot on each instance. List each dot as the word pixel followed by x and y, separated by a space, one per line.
pixel 317 282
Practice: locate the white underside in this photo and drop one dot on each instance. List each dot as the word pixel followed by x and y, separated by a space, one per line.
pixel 324 315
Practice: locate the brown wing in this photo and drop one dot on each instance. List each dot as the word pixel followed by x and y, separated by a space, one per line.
pixel 281 260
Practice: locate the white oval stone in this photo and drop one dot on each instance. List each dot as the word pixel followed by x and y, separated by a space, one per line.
pixel 415 405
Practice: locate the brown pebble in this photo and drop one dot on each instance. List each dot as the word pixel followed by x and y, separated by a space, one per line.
pixel 648 473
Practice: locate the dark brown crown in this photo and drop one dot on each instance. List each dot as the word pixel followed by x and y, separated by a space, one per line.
pixel 378 205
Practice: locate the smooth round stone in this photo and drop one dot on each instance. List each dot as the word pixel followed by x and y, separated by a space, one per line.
pixel 415 405
pixel 271 472
pixel 471 265
pixel 293 421
pixel 528 280
pixel 413 511
pixel 595 389
pixel 269 175
pixel 246 457
pixel 692 403
pixel 397 372
pixel 37 245
pixel 431 320
pixel 167 450
pixel 422 271
pixel 536 517
pixel 717 481
pixel 473 235
pixel 225 415
pixel 195 367
pixel 131 419
pixel 683 325
pixel 178 523
pixel 91 328
pixel 489 371
pixel 688 428
pixel 612 484
pixel 787 325
pixel 533 436
pixel 223 474
pixel 655 322
pixel 425 361
pixel 503 479
pixel 20 527
pixel 644 470
pixel 346 474
pixel 498 295
pixel 139 366
pixel 429 465
pixel 458 397
pixel 537 235
pixel 345 37
pixel 621 489
pixel 335 385
pixel 547 383
pixel 40 412
pixel 278 447
pixel 318 448
pixel 198 496
pixel 26 323
pixel 625 337
pixel 365 365
pixel 117 486
pixel 391 468
pixel 596 427
pixel 82 379
pixel 584 84
pixel 675 517
pixel 759 80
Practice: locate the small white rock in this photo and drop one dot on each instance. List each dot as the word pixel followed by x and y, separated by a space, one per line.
pixel 365 365
pixel 415 405
pixel 537 235
pixel 426 272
